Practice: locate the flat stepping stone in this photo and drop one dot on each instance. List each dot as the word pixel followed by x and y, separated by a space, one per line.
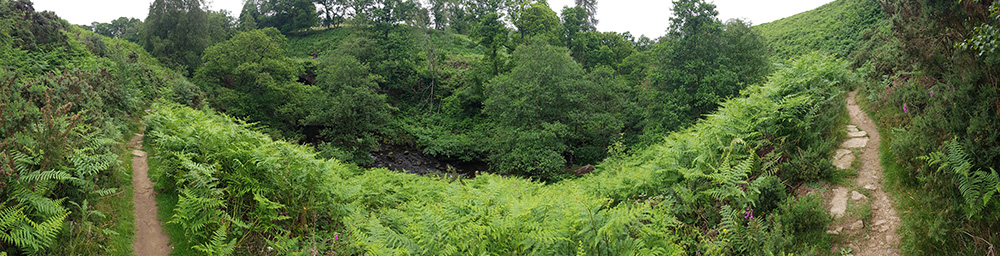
pixel 857 134
pixel 855 143
pixel 852 128
pixel 839 203
pixel 843 162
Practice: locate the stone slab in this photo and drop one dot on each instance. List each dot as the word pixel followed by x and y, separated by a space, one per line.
pixel 855 143
pixel 843 162
pixel 839 203
pixel 857 134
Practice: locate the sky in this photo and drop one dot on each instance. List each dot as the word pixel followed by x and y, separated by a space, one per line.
pixel 640 17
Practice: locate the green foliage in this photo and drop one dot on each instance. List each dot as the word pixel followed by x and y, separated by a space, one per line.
pixel 161 32
pixel 350 110
pixel 838 27
pixel 66 97
pixel 493 35
pixel 285 15
pixel 927 89
pixel 236 187
pixel 258 85
pixel 699 64
pixel 544 109
pixel 680 196
pixel 121 28
pixel 977 187
pixel 539 23
pixel 30 30
pixel 986 35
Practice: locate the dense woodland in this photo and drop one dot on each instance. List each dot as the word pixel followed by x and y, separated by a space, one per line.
pixel 262 127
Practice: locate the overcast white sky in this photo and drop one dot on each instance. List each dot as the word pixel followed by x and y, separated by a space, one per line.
pixel 640 17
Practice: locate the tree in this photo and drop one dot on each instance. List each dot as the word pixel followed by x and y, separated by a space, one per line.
pixel 250 76
pixel 529 108
pixel 492 34
pixel 539 21
pixel 123 28
pixel 699 63
pixel 590 11
pixel 334 12
pixel 349 109
pixel 176 32
pixel 288 15
pixel 221 26
pixel 574 23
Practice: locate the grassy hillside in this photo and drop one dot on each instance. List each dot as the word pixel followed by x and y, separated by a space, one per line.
pixel 838 27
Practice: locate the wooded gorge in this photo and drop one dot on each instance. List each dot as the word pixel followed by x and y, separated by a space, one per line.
pixel 509 128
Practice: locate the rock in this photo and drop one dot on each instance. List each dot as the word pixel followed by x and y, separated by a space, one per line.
pixel 883 229
pixel 843 162
pixel 138 153
pixel 839 203
pixel 879 222
pixel 889 237
pixel 855 143
pixel 870 187
pixel 580 171
pixel 841 153
pixel 832 232
pixel 857 225
pixel 857 196
pixel 857 134
pixel 852 128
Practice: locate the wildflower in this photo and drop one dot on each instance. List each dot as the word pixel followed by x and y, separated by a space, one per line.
pixel 932 93
pixel 748 214
pixel 336 236
pixel 315 252
pixel 904 109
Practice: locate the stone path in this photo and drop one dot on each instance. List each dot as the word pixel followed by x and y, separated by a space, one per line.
pixel 874 234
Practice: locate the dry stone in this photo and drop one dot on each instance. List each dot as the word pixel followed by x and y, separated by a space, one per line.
pixel 857 196
pixel 843 162
pixel 855 143
pixel 857 134
pixel 839 204
pixel 857 225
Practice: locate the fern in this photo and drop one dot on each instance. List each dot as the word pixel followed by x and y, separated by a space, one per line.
pixel 217 246
pixel 976 187
pixel 729 180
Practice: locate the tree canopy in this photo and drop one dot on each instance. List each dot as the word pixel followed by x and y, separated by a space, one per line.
pixel 176 32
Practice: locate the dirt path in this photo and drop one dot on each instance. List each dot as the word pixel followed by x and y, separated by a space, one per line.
pixel 865 232
pixel 149 236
